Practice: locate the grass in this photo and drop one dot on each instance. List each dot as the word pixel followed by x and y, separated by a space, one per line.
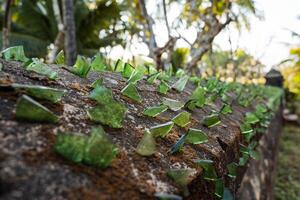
pixel 287 186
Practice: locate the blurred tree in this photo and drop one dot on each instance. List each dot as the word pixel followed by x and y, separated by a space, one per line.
pixel 35 25
pixel 6 24
pixel 69 32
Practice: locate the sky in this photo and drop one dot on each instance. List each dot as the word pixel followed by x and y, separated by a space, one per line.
pixel 268 39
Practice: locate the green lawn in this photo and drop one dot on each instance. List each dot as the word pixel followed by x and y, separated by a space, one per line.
pixel 287 186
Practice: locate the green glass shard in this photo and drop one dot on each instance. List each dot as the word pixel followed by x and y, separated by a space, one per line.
pixel 251 118
pixel 196 136
pixel 82 67
pixel 97 83
pixel 70 146
pixel 162 129
pixel 119 67
pixel 232 169
pixel 226 109
pixel 227 194
pixel 173 105
pixel 165 196
pixel 41 68
pixel 198 96
pixel 211 120
pixel 97 64
pixel 155 110
pixel 136 76
pixel 102 95
pixel 30 110
pixel 14 53
pixel 99 150
pixel 178 145
pixel 209 170
pixel 153 77
pixel 180 176
pixel 41 92
pixel 182 119
pixel 180 84
pixel 146 146
pixel 163 87
pixel 60 58
pixel 128 70
pixel 131 92
pixel 111 114
pixel 219 188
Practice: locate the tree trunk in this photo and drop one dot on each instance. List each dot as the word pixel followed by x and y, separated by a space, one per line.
pixel 70 32
pixel 6 25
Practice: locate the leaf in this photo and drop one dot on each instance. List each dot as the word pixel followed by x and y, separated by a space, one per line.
pixel 60 58
pixel 163 87
pixel 151 70
pixel 70 146
pixel 81 68
pixel 165 196
pixel 180 176
pixel 232 169
pixel 226 109
pixel 261 108
pixel 180 84
pixel 196 136
pixel 178 145
pixel 246 128
pixel 162 129
pixel 97 64
pixel 179 73
pixel 182 119
pixel 14 53
pixel 211 120
pixel 29 110
pixel 219 188
pixel 41 92
pixel 136 76
pixel 153 77
pixel 42 69
pixel 251 118
pixel 209 170
pixel 111 114
pixel 173 105
pixel 146 146
pixel 119 67
pixel 243 160
pixel 99 150
pixel 128 70
pixel 155 110
pixel 131 92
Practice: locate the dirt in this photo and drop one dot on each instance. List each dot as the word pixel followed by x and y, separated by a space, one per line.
pixel 29 169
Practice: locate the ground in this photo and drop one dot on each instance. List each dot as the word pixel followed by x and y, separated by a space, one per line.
pixel 287 186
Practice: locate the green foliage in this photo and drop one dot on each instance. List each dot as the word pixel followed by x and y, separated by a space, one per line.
pixel 146 146
pixel 41 92
pixel 179 57
pixel 97 64
pixel 182 119
pixel 232 169
pixel 29 110
pixel 128 70
pixel 178 145
pixel 155 110
pixel 162 130
pixel 60 58
pixel 163 87
pixel 219 188
pixel 152 78
pixel 136 76
pixel 226 109
pixel 119 66
pixel 165 196
pixel 131 92
pixel 251 118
